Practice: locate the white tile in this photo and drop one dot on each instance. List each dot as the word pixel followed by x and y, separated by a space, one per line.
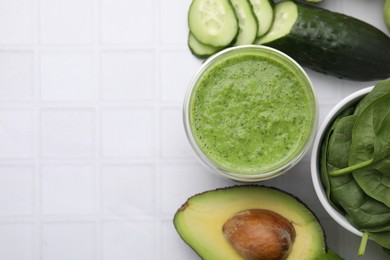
pixel 173 247
pixel 129 240
pixel 123 189
pixel 332 232
pixel 332 5
pixel 17 241
pixel 350 86
pixel 307 157
pixel 67 76
pixel 174 25
pixel 16 133
pixel 16 190
pixel 128 132
pixel 128 75
pixel 16 75
pixel 371 12
pixel 16 22
pixel 326 87
pixel 65 241
pixel 177 69
pixel 297 181
pixel 66 22
pixel 174 141
pixel 124 22
pixel 349 245
pixel 324 111
pixel 67 133
pixel 68 189
pixel 181 181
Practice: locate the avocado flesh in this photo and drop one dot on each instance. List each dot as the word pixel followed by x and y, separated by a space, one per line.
pixel 199 221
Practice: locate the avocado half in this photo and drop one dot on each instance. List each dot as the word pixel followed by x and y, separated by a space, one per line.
pixel 200 221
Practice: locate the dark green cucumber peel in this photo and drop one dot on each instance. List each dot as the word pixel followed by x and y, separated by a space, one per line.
pixel 330 42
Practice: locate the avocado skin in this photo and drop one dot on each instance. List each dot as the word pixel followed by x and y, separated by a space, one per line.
pixel 329 255
pixel 322 252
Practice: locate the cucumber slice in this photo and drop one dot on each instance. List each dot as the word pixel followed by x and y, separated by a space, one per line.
pixel 213 22
pixel 247 22
pixel 286 14
pixel 199 49
pixel 329 42
pixel 264 13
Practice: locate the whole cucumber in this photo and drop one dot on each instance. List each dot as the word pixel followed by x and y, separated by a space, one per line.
pixel 330 42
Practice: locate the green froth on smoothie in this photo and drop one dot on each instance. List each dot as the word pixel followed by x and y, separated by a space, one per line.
pixel 250 114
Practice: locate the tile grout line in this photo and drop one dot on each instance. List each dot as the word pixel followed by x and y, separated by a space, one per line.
pixel 39 105
pixel 158 193
pixel 86 47
pixel 37 98
pixel 98 135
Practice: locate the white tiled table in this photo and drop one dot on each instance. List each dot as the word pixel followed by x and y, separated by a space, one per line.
pixel 93 157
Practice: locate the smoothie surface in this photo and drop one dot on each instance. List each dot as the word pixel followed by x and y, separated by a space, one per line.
pixel 250 114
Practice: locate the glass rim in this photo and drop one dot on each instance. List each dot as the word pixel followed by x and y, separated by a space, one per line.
pixel 256 176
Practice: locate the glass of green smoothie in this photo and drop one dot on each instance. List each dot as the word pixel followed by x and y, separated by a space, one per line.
pixel 250 113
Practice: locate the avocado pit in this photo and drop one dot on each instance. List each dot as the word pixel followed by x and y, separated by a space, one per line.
pixel 258 234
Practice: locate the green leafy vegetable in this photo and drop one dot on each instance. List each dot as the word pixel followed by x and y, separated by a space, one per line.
pixel 361 210
pixel 358 142
pixel 370 148
pixel 374 184
pixel 363 244
pixel 387 251
pixel 369 154
pixel 382 238
pixel 381 88
pixel 324 157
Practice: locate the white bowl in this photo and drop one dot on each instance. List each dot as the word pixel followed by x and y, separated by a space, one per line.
pixel 315 172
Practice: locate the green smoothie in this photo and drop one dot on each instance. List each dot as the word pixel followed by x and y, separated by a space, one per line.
pixel 251 113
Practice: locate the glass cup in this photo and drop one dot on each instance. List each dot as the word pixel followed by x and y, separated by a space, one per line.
pixel 268 54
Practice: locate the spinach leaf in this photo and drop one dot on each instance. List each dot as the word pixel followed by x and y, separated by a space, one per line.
pixel 382 238
pixel 387 250
pixel 323 169
pixel 380 89
pixel 374 178
pixel 370 148
pixel 324 157
pixel 374 184
pixel 371 215
pixel 362 211
pixel 360 143
pixel 363 244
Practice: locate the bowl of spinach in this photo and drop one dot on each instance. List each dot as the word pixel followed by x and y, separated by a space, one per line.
pixel 350 164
